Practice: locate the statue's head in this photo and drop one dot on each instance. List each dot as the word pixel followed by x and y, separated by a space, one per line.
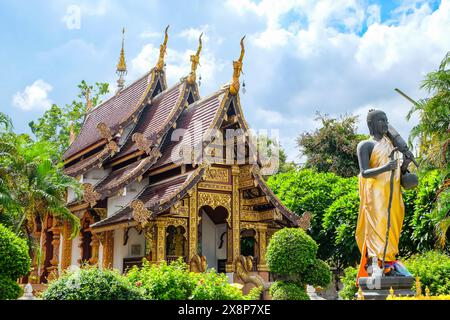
pixel 377 122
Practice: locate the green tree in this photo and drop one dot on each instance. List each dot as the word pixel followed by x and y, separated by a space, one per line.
pixel 332 147
pixel 54 125
pixel 433 136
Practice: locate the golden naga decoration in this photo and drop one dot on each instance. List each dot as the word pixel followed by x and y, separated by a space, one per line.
pixel 198 264
pixel 72 135
pixel 90 195
pixel 141 142
pixel 195 61
pixel 162 51
pixel 87 95
pixel 140 212
pixel 113 147
pixel 244 266
pixel 237 70
pixel 104 131
pixel 304 221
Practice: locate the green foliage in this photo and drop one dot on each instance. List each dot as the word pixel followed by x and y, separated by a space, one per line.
pixel 91 283
pixel 331 148
pixel 349 282
pixel 433 269
pixel 291 251
pixel 284 290
pixel 339 223
pixel 318 274
pixel 9 289
pixel 254 294
pixel 163 282
pixel 175 282
pixel 15 260
pixel 310 191
pixel 54 125
pixel 214 286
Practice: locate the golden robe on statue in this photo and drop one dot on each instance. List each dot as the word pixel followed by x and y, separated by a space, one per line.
pixel 373 211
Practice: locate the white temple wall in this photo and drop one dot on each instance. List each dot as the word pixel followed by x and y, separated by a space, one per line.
pixel 134 240
pixel 209 241
pixel 120 251
pixel 100 255
pixel 222 252
pixel 92 176
pixel 76 251
pixel 117 203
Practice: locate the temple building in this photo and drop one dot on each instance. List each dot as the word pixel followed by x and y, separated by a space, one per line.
pixel 142 199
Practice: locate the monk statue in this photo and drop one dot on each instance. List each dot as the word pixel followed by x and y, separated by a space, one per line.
pixel 381 209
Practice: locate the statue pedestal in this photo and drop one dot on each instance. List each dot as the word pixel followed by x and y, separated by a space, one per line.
pixel 378 288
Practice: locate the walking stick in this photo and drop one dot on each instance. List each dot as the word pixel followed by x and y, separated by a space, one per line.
pixel 391 191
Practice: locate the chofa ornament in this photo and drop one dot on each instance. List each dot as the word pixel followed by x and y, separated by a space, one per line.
pixel 140 212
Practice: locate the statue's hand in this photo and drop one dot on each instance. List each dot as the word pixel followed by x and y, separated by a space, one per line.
pixel 391 165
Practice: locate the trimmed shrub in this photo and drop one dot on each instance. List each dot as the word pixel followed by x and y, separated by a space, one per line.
pixel 213 286
pixel 9 289
pixel 14 256
pixel 290 251
pixel 317 275
pixel 433 269
pixel 163 282
pixel 349 282
pixel 91 283
pixel 283 290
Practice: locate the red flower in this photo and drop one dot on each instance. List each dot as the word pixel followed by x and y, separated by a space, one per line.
pixel 138 284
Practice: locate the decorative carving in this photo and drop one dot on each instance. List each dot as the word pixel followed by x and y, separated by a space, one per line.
pixel 95 244
pixel 90 195
pixel 195 61
pixel 104 131
pixel 304 221
pixel 262 233
pixel 140 212
pixel 236 220
pixel 113 147
pixel 161 240
pixel 66 258
pixel 108 249
pixel 141 142
pixel 254 216
pixel 215 186
pixel 254 201
pixel 193 223
pixel 215 200
pixel 216 174
pixel 198 264
pixel 179 209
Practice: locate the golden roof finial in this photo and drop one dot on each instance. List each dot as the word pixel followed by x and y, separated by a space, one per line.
pixel 195 61
pixel 122 65
pixel 418 287
pixel 162 51
pixel 360 294
pixel 237 70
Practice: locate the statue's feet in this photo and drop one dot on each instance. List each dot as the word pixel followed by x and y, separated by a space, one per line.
pixel 396 269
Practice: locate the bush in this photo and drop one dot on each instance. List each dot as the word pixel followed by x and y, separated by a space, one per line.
pixel 213 286
pixel 14 256
pixel 349 281
pixel 283 290
pixel 175 282
pixel 9 289
pixel 91 283
pixel 163 282
pixel 317 275
pixel 290 251
pixel 433 269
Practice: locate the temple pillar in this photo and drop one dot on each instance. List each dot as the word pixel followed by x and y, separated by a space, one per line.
pixel 262 241
pixel 235 221
pixel 108 249
pixel 56 229
pixel 193 224
pixel 150 243
pixel 67 246
pixel 95 244
pixel 161 241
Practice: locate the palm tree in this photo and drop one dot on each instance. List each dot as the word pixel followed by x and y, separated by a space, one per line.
pixel 433 134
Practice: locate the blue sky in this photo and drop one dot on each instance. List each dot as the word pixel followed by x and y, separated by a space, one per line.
pixel 302 56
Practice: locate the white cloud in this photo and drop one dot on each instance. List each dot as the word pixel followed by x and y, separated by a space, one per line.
pixel 373 14
pixel 194 33
pixel 34 96
pixel 150 34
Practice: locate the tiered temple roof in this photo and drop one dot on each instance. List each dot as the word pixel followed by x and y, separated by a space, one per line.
pixel 130 134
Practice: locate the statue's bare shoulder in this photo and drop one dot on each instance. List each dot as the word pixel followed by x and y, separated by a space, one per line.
pixel 365 147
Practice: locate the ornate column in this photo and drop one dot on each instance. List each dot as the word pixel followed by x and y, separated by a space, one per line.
pixel 95 243
pixel 262 239
pixel 150 242
pixel 67 246
pixel 193 223
pixel 107 240
pixel 56 229
pixel 161 240
pixel 236 229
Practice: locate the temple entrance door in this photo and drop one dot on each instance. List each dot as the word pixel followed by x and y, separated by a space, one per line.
pixel 213 236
